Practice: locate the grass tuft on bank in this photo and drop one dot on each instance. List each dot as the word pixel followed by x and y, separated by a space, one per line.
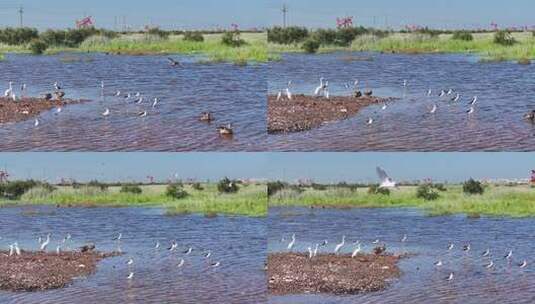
pixel 250 200
pixel 497 200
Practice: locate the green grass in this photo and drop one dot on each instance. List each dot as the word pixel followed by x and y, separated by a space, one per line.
pixel 517 201
pixel 413 43
pixel 255 50
pixel 251 200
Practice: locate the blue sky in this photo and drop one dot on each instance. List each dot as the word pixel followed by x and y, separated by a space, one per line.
pixel 322 167
pixel 453 167
pixel 257 13
pixel 132 166
pixel 434 13
pixel 167 13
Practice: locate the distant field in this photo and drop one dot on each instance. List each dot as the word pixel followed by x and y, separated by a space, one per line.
pixel 514 201
pixel 416 43
pixel 251 200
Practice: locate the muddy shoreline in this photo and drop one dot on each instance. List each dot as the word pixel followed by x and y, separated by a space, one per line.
pixel 39 271
pixel 29 107
pixel 304 113
pixel 294 273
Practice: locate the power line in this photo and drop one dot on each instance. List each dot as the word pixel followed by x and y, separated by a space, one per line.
pixel 21 15
pixel 284 15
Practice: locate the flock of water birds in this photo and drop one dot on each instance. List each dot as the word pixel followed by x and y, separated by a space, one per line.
pixel 136 98
pixel 322 91
pixel 380 247
pixel 66 243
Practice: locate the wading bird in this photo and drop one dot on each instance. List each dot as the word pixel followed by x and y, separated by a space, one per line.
pixel 456 98
pixel 216 264
pixel 471 110
pixel 356 251
pixel 173 246
pixel 486 252
pixel 310 253
pixel 466 248
pixel 339 246
pixel 157 245
pixel 188 251
pixel 320 88
pixel 130 276
pixel 106 112
pixel 316 249
pixel 433 109
pixel 292 242
pixel 404 239
pixel 155 102
pixel 142 114
pixel 473 101
pixel 130 261
pixel 181 263
pixel 509 255
pixel 45 243
pixel 9 90
pixel 524 264
pixel 369 122
pixel 450 277
pixel 450 246
pixel 17 248
pixel 489 265
pixel 36 123
pixel 438 263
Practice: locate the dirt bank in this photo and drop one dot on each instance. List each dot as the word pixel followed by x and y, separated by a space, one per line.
pixel 290 273
pixel 26 108
pixel 306 112
pixel 35 271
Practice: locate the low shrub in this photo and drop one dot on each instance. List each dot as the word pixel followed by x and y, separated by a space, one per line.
pixel 427 193
pixel 274 187
pixel 15 189
pixel 288 35
pixel 18 36
pixel 311 46
pixel 504 38
pixel 131 188
pixel 233 39
pixel 375 189
pixel 462 35
pixel 193 36
pixel 38 46
pixel 158 32
pixel 473 187
pixel 197 186
pixel 227 186
pixel 176 191
pixel 96 184
pixel 318 187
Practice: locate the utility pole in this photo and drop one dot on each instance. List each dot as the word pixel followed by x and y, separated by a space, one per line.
pixel 284 15
pixel 21 13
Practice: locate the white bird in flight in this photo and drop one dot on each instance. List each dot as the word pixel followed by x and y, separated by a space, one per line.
pixel 386 181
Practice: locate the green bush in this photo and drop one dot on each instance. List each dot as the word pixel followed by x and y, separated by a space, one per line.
pixel 193 36
pixel 463 35
pixel 311 45
pixel 73 37
pixel 96 184
pixel 131 188
pixel 233 39
pixel 504 38
pixel 176 191
pixel 197 186
pixel 439 187
pixel 274 187
pixel 18 36
pixel 375 189
pixel 38 46
pixel 158 32
pixel 227 186
pixel 319 187
pixel 473 187
pixel 15 189
pixel 426 192
pixel 288 35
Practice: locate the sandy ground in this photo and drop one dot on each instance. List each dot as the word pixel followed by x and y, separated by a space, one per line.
pixel 26 108
pixel 291 273
pixel 306 112
pixel 35 271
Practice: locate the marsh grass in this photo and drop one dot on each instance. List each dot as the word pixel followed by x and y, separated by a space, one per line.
pixel 482 45
pixel 517 201
pixel 249 201
pixel 254 51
